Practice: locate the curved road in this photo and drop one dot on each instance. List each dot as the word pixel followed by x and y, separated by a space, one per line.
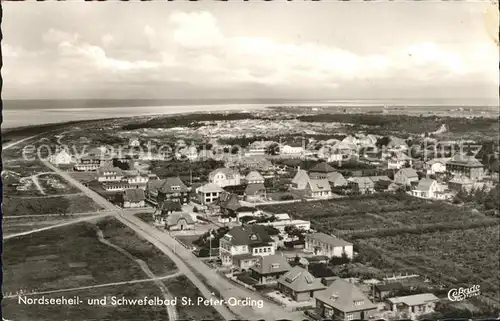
pixel 187 262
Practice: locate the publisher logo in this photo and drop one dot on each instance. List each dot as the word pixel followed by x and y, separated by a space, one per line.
pixel 461 294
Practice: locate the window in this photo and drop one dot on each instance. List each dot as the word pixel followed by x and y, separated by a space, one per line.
pixel 360 302
pixel 349 316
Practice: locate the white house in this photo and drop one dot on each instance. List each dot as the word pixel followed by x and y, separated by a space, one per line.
pixel 225 177
pixel 323 244
pixel 63 157
pixel 134 142
pixel 133 197
pixel 318 188
pixel 399 160
pixel 281 225
pixel 287 150
pixel 436 166
pixel 406 176
pixel 412 306
pixel 209 193
pixel 110 174
pixel 430 188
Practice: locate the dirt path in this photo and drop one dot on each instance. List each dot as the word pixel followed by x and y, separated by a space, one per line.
pixel 45 196
pixel 14 217
pixel 18 142
pixel 171 310
pixel 83 219
pixel 82 288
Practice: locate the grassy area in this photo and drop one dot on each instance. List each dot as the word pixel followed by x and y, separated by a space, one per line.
pixel 65 257
pixel 24 167
pixel 83 312
pixel 12 227
pixel 182 287
pixel 451 258
pixel 119 234
pixel 53 184
pixel 50 205
pixel 146 217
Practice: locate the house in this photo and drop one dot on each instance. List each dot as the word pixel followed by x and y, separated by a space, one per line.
pixel 179 221
pixel 118 186
pixel 429 188
pixel 399 160
pixel 254 177
pixel 208 193
pixel 436 166
pixel 228 203
pixel 133 197
pixel 243 245
pixel 284 217
pixel 318 188
pixel 170 188
pixel 386 290
pixel 166 208
pixel 258 148
pixel 109 174
pixel 321 170
pixel 343 300
pixel 461 182
pixel 134 142
pixel 363 185
pixel 466 165
pixel 287 150
pixel 397 144
pixel 259 163
pixel 61 158
pixel 300 180
pixel 224 177
pixel 255 192
pixel 323 244
pixel 88 163
pixel 268 269
pixel 412 306
pixel 299 284
pixel 281 225
pixel 405 176
pixel 136 179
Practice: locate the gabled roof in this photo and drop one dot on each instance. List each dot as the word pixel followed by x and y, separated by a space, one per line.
pixel 322 168
pixel 400 157
pixel 361 180
pixel 437 160
pixel 248 235
pixel 169 182
pixel 228 172
pixel 380 178
pixel 253 189
pixel 174 218
pixel 465 160
pixel 171 206
pixel 229 201
pixel 300 176
pixel 134 195
pixel 105 169
pixel 319 185
pixel 461 179
pixel 408 172
pixel 335 177
pixel 300 280
pixel 154 185
pixel 342 295
pixel 425 184
pixel 210 188
pixel 282 217
pixel 254 176
pixel 417 299
pixel 271 264
pixel 328 239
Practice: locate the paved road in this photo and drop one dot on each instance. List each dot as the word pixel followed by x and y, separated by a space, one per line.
pixel 9 145
pixel 187 263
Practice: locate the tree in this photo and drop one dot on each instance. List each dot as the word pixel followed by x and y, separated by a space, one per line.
pixel 273 149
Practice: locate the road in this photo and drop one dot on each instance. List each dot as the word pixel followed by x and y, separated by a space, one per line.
pixel 188 263
pixel 9 145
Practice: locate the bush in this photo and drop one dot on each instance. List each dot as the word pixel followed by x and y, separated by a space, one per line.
pixel 286 197
pixel 195 209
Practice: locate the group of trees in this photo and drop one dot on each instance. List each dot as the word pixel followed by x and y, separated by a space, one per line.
pixel 185 169
pixel 485 199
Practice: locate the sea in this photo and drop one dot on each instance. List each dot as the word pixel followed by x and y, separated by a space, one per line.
pixel 19 113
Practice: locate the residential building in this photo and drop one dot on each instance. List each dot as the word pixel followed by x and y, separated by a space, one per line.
pixel 362 185
pixel 385 290
pixel 228 203
pixel 254 177
pixel 436 166
pixel 287 150
pixel 412 306
pixel 299 284
pixel 323 244
pixel 134 142
pixel 268 269
pixel 255 192
pixel 117 186
pixel 343 300
pixel 258 148
pixel 429 188
pixel 300 180
pixel 399 160
pixel 318 188
pixel 170 188
pixel 179 221
pixel 134 197
pixel 406 176
pixel 137 180
pixel 242 245
pixel 283 217
pixel 109 174
pixel 281 225
pixel 89 163
pixel 224 177
pixel 466 165
pixel 321 171
pixel 209 193
pixel 461 182
pixel 61 158
pixel 397 144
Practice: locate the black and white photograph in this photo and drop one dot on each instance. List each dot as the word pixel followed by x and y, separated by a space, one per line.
pixel 250 160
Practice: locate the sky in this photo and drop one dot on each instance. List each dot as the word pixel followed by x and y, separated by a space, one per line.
pixel 294 50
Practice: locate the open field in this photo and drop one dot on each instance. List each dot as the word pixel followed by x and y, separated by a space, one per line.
pixel 182 287
pixel 24 167
pixel 13 311
pixel 48 205
pixel 53 184
pixel 118 234
pixel 73 256
pixel 10 227
pixel 452 258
